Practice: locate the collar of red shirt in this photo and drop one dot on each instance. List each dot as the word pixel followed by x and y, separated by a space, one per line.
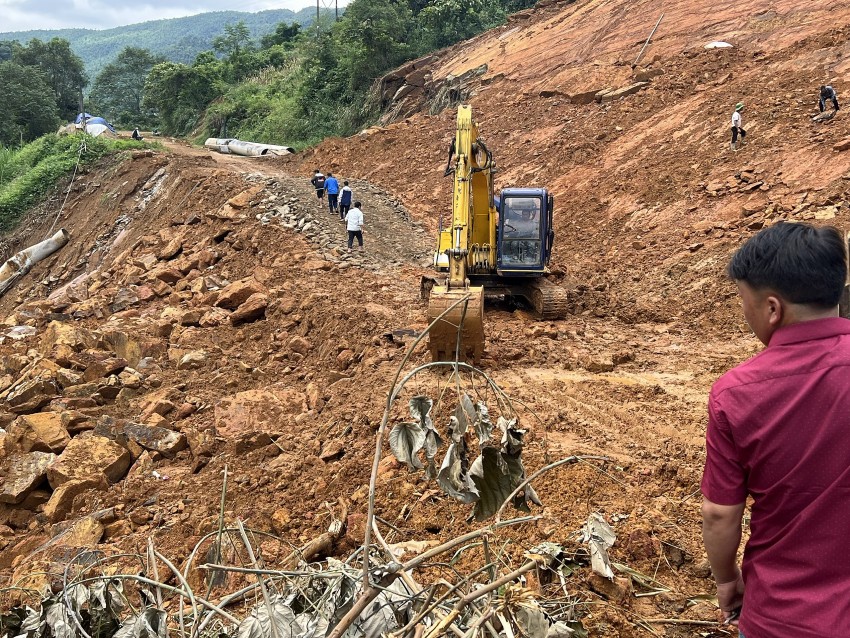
pixel 810 330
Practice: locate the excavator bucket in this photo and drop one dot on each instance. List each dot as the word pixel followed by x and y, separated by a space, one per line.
pixel 468 318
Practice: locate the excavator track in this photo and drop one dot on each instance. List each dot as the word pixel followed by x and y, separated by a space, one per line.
pixel 443 338
pixel 549 300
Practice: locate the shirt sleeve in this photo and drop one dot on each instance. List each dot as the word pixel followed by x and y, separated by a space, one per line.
pixel 724 479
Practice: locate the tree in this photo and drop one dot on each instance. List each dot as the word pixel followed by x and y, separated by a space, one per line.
pixel 236 39
pixel 62 69
pixel 284 35
pixel 450 21
pixel 28 110
pixel 118 90
pixel 374 37
pixel 238 51
pixel 179 93
pixel 6 49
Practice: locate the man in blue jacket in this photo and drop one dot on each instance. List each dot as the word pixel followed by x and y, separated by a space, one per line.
pixel 332 189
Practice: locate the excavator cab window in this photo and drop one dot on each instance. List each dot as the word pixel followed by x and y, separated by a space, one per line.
pixel 521 236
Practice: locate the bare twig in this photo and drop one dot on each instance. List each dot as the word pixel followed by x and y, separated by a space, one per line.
pixel 681 621
pixel 262 583
pixel 155 571
pixel 188 589
pixel 379 442
pixel 173 590
pixel 441 626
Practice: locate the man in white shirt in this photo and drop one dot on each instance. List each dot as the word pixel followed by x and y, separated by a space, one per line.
pixel 737 126
pixel 354 225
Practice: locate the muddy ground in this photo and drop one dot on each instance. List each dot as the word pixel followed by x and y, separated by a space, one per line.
pixel 650 204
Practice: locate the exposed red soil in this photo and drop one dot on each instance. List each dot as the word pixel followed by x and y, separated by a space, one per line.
pixel 650 202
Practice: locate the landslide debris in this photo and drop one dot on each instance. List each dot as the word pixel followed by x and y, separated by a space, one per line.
pixel 206 314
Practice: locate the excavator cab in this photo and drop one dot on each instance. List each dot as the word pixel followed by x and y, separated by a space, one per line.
pixel 525 235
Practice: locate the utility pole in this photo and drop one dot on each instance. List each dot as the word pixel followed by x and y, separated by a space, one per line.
pixel 336 7
pixel 317 17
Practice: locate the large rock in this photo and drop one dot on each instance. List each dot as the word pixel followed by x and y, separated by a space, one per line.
pixel 243 199
pixel 237 293
pixel 258 410
pixel 843 145
pixel 134 348
pixel 124 298
pixel 30 395
pixel 89 458
pixel 22 473
pixel 64 334
pixel 171 249
pixel 62 500
pixel 254 308
pixel 104 368
pixel 40 432
pixel 214 317
pixel 166 442
pixel 615 94
pixel 192 360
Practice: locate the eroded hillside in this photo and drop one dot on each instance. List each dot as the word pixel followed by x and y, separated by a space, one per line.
pixel 206 313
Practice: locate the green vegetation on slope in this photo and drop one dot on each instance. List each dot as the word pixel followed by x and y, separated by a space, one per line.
pixel 299 89
pixel 27 174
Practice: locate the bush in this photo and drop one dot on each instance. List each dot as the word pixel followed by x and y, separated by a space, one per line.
pixel 27 175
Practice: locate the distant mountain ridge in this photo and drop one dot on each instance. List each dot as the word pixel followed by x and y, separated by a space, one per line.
pixel 177 39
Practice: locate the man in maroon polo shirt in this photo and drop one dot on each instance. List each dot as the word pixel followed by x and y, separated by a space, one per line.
pixel 779 432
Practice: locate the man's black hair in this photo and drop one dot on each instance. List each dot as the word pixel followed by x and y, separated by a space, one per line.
pixel 356 204
pixel 802 263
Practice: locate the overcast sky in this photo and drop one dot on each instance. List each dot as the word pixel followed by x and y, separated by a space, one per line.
pixel 26 15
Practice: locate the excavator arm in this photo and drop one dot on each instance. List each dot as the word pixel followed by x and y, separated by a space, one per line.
pixel 463 245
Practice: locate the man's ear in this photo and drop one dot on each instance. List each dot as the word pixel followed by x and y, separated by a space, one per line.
pixel 776 311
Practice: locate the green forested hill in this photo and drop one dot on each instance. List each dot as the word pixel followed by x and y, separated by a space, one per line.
pixel 178 39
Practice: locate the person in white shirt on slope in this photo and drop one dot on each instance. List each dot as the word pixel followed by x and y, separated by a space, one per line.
pixel 737 126
pixel 354 225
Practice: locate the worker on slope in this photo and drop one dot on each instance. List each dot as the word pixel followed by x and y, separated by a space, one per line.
pixel 737 127
pixel 318 183
pixel 332 189
pixel 354 225
pixel 827 93
pixel 136 135
pixel 778 433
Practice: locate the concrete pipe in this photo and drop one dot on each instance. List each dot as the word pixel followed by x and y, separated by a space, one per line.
pixel 20 263
pixel 247 149
pixel 219 144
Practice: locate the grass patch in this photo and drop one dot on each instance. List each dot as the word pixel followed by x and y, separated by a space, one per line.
pixel 28 174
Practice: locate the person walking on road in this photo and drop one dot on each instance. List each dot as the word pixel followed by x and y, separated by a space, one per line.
pixel 737 126
pixel 354 225
pixel 332 189
pixel 777 433
pixel 827 93
pixel 318 183
pixel 344 200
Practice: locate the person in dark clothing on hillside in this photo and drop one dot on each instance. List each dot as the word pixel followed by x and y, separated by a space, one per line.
pixel 136 135
pixel 318 183
pixel 344 200
pixel 827 93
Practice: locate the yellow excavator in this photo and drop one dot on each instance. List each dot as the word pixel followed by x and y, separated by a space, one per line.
pixel 494 246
